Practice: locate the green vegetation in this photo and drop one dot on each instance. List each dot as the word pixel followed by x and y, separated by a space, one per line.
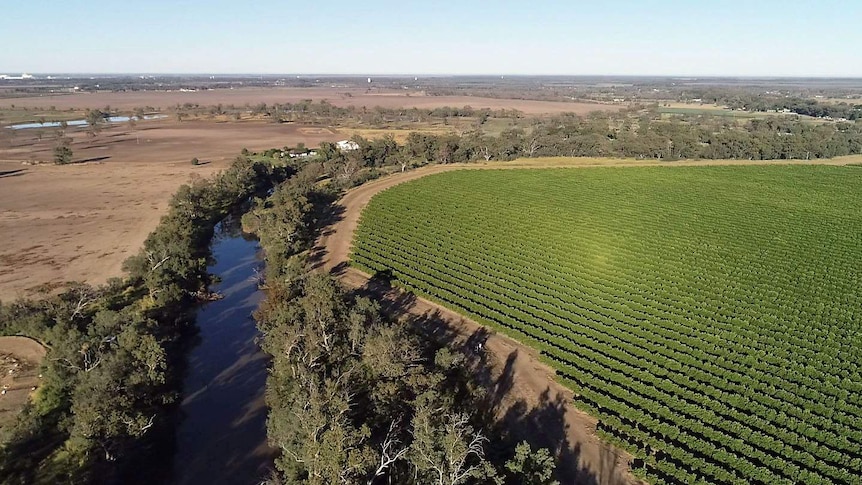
pixel 355 397
pixel 810 107
pixel 637 132
pixel 708 316
pixel 605 136
pixel 111 372
pixel 324 112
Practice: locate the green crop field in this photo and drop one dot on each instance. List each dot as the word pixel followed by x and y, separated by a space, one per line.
pixel 709 317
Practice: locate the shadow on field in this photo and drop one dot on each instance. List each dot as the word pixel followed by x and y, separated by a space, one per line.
pixel 12 173
pixel 93 159
pixel 540 420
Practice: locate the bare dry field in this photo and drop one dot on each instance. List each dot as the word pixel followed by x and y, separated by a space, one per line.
pixel 337 96
pixel 20 359
pixel 81 221
pixel 160 141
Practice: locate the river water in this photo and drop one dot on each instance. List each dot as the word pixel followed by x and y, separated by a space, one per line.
pixel 55 124
pixel 221 438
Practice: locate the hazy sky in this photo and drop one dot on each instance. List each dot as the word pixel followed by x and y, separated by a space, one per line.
pixel 697 37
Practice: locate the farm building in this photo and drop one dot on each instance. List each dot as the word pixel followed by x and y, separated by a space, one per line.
pixel 347 145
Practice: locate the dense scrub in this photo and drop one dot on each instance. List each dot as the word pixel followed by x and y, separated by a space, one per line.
pixel 709 317
pixel 353 396
pixel 111 372
pixel 646 137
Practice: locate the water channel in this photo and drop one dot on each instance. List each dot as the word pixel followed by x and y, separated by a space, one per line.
pixel 221 438
pixel 73 123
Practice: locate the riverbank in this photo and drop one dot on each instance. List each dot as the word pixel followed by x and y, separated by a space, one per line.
pixel 128 335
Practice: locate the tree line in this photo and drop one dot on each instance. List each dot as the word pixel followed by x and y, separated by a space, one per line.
pixel 112 371
pixel 597 135
pixel 759 102
pixel 325 112
pixel 354 396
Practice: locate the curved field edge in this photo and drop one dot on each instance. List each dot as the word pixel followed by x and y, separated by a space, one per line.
pixel 807 453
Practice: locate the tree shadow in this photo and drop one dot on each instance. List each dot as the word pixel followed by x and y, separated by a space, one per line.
pixel 104 143
pixel 544 425
pixel 93 159
pixel 25 453
pixel 339 269
pixel 327 214
pixel 393 301
pixel 541 421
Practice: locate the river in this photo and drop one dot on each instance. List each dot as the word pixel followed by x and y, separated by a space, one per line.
pixel 221 438
pixel 73 123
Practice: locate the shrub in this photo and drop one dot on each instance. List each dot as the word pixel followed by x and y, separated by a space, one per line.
pixel 62 155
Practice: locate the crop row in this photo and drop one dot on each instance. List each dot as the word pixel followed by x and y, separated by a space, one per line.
pixel 713 329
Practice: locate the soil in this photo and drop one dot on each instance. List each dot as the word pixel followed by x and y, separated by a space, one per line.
pixel 20 360
pixel 159 141
pixel 79 222
pixel 336 95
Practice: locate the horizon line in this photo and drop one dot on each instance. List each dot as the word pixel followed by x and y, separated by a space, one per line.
pixel 432 75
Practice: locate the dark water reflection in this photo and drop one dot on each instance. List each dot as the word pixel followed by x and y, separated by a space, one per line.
pixel 222 435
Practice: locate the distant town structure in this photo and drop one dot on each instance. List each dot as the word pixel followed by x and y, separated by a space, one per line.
pixel 12 78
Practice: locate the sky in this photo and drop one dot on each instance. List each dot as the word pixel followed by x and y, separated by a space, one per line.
pixel 541 37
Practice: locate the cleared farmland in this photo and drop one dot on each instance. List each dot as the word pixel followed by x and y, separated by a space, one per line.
pixel 710 317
